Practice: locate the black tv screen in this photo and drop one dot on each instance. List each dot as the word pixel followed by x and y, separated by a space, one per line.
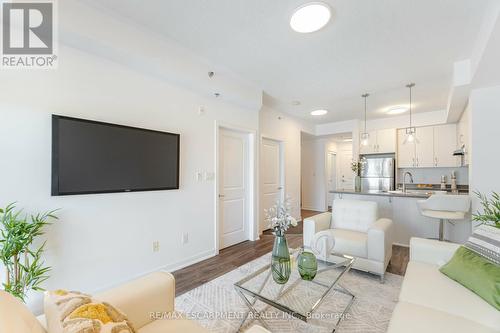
pixel 96 157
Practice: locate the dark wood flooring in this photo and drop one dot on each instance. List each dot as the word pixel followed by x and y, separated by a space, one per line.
pixel 237 255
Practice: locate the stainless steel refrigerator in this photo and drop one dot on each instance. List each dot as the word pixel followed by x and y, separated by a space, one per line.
pixel 377 173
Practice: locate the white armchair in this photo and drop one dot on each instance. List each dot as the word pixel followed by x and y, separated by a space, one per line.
pixel 357 231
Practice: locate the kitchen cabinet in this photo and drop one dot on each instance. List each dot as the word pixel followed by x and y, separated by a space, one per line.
pixel 424 152
pixel 386 141
pixel 434 148
pixel 463 137
pixel 406 153
pixel 445 142
pixel 371 146
pixel 380 142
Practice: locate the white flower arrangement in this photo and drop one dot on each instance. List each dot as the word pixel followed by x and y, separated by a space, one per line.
pixel 279 217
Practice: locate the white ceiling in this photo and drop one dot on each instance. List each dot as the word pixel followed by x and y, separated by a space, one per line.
pixel 374 46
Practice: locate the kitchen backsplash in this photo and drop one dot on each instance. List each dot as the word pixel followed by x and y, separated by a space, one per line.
pixel 433 175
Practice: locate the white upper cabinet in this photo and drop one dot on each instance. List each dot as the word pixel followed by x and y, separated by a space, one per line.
pixel 463 137
pixel 379 142
pixel 371 147
pixel 406 153
pixel 425 152
pixel 445 142
pixel 434 148
pixel 386 141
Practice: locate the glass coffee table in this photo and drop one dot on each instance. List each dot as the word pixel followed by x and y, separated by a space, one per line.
pixel 298 298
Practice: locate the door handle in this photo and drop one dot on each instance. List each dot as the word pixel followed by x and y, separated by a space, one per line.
pixel 280 188
pixel 221 195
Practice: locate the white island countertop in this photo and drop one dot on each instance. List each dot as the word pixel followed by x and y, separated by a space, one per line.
pixel 402 209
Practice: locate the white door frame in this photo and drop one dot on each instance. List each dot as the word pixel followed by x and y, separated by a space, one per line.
pixel 281 144
pixel 252 210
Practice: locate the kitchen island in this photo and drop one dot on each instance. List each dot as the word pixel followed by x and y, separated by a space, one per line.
pixel 403 210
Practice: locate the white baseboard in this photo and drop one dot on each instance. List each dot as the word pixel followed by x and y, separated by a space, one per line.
pixel 188 261
pixel 313 208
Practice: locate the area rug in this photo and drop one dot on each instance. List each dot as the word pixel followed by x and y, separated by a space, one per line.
pixel 217 307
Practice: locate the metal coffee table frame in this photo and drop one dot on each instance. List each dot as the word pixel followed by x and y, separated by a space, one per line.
pixel 250 297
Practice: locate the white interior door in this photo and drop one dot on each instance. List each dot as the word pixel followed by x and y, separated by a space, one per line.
pixel 233 187
pixel 331 177
pixel 346 176
pixel 271 176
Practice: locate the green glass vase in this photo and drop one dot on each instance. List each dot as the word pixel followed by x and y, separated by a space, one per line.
pixel 280 264
pixel 307 265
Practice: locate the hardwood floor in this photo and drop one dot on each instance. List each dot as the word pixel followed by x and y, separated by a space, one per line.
pixel 237 255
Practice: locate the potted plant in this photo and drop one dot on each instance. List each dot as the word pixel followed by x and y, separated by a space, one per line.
pixel 25 269
pixel 280 219
pixel 491 210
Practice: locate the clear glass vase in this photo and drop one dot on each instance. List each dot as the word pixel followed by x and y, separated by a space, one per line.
pixel 280 264
pixel 357 184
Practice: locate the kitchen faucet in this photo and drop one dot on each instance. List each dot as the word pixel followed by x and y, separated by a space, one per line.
pixel 404 180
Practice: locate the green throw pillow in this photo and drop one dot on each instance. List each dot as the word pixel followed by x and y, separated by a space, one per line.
pixel 475 273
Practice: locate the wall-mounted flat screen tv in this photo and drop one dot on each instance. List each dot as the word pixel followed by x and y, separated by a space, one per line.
pixel 96 157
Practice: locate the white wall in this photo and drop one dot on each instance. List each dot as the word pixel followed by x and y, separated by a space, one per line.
pixel 313 175
pixel 103 239
pixel 314 172
pixel 485 159
pixel 281 127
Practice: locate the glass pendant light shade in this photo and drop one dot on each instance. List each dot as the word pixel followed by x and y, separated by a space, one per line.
pixel 411 136
pixel 411 132
pixel 365 136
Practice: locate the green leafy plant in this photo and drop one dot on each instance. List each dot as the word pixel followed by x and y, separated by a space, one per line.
pixel 25 268
pixel 491 210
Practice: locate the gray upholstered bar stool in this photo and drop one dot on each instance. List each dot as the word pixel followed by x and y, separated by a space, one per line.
pixel 445 207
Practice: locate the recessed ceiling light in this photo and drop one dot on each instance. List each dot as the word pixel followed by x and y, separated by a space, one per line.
pixel 319 112
pixel 310 17
pixel 397 110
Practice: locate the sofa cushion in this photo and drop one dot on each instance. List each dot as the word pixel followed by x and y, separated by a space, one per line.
pixel 425 285
pixel 413 318
pixel 475 273
pixel 355 215
pixel 71 311
pixel 485 241
pixel 172 326
pixel 350 242
pixel 16 317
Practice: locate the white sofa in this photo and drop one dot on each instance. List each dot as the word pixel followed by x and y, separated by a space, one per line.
pixel 358 232
pixel 139 299
pixel 431 302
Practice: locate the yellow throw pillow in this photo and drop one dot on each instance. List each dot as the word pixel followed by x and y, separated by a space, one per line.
pixel 75 312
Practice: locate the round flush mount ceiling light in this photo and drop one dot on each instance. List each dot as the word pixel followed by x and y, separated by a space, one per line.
pixel 397 110
pixel 319 112
pixel 310 17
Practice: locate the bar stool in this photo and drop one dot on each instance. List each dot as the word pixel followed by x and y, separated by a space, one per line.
pixel 447 207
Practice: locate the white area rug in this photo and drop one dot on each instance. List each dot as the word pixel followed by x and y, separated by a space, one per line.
pixel 215 304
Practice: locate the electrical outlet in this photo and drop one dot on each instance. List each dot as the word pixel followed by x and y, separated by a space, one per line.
pixel 156 246
pixel 185 238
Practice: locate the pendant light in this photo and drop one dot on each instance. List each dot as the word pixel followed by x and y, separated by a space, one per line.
pixel 365 135
pixel 411 131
